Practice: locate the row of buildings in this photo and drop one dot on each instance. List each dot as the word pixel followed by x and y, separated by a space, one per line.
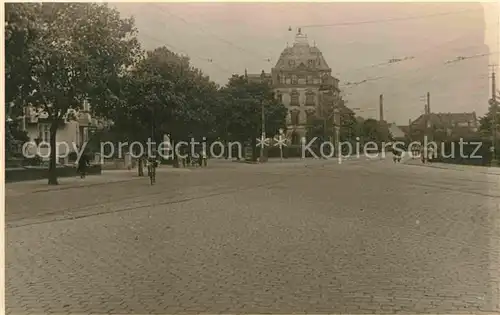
pixel 438 127
pixel 303 81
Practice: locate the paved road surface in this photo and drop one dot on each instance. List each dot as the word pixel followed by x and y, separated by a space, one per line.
pixel 311 237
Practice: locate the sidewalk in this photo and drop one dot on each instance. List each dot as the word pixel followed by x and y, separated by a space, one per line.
pixel 107 177
pixel 455 167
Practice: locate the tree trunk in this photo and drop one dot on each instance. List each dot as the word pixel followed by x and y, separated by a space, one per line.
pixel 175 158
pixel 255 149
pixel 53 154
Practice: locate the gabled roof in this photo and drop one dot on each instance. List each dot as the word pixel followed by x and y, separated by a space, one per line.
pixel 396 131
pixel 446 119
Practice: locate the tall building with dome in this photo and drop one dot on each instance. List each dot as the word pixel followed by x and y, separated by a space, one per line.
pixel 301 78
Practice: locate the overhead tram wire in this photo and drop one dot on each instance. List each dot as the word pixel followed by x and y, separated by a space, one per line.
pixel 481 85
pixel 389 20
pixel 408 58
pixel 350 23
pixel 418 105
pixel 412 57
pixel 357 69
pixel 446 63
pixel 223 40
pixel 177 50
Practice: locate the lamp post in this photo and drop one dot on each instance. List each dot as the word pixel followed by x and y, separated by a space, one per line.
pixel 281 145
pixel 263 121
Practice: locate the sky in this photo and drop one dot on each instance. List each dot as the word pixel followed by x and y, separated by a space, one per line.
pixel 226 38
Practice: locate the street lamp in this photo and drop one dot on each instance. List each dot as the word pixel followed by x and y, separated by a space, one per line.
pixel 263 121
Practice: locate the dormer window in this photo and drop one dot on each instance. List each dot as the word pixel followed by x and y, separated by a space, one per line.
pixel 291 63
pixel 310 63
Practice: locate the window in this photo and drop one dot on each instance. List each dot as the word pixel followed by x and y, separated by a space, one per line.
pixel 294 79
pixel 309 79
pixel 294 98
pixel 310 98
pixel 295 117
pixel 310 116
pixel 291 63
pixel 44 132
pixel 310 63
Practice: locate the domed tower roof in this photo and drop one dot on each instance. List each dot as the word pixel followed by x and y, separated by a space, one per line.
pixel 302 56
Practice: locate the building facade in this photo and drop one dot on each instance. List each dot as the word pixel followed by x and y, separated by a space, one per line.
pixel 299 78
pixel 72 133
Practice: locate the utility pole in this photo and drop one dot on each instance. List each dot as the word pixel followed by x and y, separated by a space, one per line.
pixel 429 121
pixel 427 114
pixel 337 126
pixel 381 108
pixel 409 130
pixel 494 103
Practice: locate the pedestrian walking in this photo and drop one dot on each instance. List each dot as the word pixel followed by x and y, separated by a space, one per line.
pixel 204 158
pixel 83 162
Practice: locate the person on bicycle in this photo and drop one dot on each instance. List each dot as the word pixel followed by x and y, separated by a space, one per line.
pixel 152 164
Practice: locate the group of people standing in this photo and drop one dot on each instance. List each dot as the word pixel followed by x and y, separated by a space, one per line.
pixel 199 159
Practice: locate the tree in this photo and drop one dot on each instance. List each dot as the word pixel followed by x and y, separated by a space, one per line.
pixel 20 32
pixel 164 94
pixel 242 113
pixel 22 28
pixel 316 129
pixel 78 54
pixel 371 131
pixel 349 129
pixel 485 122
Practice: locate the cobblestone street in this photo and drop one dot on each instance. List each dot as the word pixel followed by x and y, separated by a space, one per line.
pixel 284 237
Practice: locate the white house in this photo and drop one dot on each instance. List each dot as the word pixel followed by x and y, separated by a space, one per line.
pixel 70 136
